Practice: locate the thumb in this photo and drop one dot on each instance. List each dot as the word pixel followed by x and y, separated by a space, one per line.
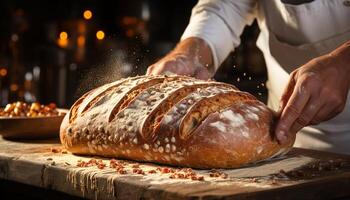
pixel 149 70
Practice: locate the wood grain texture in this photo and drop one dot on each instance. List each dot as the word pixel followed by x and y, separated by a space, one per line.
pixel 33 163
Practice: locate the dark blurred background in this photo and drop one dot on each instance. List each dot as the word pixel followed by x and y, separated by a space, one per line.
pixel 53 51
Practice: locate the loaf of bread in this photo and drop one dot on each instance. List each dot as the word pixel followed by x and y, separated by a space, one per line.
pixel 173 120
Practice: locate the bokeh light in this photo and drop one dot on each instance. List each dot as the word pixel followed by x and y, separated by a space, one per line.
pixel 3 72
pixel 100 35
pixel 87 14
pixel 63 35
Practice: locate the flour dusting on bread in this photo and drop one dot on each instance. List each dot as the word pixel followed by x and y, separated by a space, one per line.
pixel 174 120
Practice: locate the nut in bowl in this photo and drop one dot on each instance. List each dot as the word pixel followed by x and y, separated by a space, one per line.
pixel 20 120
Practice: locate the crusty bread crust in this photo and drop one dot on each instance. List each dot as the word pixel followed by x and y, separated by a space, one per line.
pixel 174 120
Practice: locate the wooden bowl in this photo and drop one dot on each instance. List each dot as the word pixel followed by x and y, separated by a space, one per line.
pixel 31 127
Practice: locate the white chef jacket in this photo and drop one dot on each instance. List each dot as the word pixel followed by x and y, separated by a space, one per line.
pixel 291 35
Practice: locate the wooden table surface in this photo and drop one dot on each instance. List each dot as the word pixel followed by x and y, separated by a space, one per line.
pixel 302 174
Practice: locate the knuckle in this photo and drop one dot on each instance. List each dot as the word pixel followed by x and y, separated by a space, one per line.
pixel 311 80
pixel 293 73
pixel 292 110
pixel 313 106
pixel 303 87
pixel 303 120
pixel 336 99
pixel 308 77
pixel 316 120
pixel 304 82
pixel 296 127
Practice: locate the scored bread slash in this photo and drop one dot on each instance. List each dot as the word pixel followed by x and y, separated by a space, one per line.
pixel 173 120
pixel 182 115
pixel 74 109
pixel 215 103
pixel 153 119
pixel 132 93
pixel 106 91
pixel 86 100
pixel 131 118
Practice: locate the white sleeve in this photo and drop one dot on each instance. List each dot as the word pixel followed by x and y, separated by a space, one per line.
pixel 220 23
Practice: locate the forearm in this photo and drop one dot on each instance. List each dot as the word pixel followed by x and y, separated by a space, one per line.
pixel 213 32
pixel 220 24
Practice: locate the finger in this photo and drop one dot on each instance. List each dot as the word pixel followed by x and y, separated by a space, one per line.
pixel 165 68
pixel 287 93
pixel 149 70
pixel 292 111
pixel 177 65
pixel 202 73
pixel 309 112
pixel 326 112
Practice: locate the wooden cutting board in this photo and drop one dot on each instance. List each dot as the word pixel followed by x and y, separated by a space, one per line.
pixel 302 174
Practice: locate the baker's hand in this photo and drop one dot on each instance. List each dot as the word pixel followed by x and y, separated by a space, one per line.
pixel 181 64
pixel 317 91
pixel 191 57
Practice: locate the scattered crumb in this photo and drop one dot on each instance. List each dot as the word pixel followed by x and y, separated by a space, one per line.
pixel 135 166
pixel 55 150
pixel 58 150
pixel 123 167
pixel 101 165
pixel 138 171
pixel 217 173
pixel 152 171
